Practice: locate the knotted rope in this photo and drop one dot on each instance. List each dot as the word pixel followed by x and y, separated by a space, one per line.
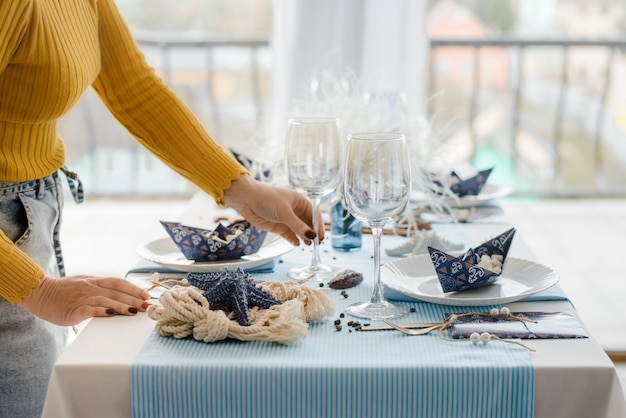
pixel 316 305
pixel 184 312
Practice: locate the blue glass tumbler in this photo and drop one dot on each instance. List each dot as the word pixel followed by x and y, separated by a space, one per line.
pixel 346 231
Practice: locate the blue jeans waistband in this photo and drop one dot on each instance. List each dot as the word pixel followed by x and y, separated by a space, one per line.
pixel 9 188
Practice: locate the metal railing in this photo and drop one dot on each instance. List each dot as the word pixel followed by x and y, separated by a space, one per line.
pixel 536 98
pixel 601 163
pixel 166 43
pixel 112 164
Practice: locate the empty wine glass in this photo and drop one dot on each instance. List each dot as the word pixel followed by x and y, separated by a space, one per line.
pixel 314 155
pixel 376 188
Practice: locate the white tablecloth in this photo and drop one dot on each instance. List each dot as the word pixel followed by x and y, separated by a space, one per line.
pixel 573 378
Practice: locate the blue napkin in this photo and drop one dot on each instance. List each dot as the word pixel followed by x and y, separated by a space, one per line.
pixel 145 266
pixel 539 325
pixel 470 186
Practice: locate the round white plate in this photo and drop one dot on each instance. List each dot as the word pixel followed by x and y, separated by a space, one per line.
pixel 164 252
pixel 415 277
pixel 488 193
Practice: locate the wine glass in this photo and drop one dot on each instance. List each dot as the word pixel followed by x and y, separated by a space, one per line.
pixel 314 154
pixel 377 185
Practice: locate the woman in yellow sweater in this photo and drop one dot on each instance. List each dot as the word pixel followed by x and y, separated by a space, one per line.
pixel 50 52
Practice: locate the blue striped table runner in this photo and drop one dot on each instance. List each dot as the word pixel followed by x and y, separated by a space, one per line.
pixel 335 374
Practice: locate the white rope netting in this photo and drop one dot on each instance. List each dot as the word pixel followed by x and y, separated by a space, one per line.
pixel 184 312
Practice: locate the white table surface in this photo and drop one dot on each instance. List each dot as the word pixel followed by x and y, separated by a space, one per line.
pixel 573 378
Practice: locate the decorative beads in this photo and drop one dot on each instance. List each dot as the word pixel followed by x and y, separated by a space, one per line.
pixel 503 312
pixel 476 338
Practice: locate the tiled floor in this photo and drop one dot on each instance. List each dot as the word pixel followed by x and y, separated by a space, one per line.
pixel 584 240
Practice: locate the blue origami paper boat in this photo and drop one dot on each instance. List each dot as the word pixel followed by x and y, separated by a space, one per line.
pixel 469 186
pixel 463 272
pixel 223 243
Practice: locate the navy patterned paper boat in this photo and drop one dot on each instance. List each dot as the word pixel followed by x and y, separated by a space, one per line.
pixel 463 272
pixel 470 186
pixel 223 243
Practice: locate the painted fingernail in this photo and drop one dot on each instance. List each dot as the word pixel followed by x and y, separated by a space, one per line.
pixel 110 311
pixel 146 304
pixel 133 310
pixel 310 234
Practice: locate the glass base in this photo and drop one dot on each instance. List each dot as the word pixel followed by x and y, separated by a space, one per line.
pixel 317 273
pixel 347 244
pixel 376 310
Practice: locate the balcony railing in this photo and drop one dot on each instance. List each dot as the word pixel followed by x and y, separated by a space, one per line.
pixel 224 81
pixel 549 111
pixel 545 113
pixel 167 44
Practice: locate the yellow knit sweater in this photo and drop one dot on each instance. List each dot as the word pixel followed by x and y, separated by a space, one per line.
pixel 50 52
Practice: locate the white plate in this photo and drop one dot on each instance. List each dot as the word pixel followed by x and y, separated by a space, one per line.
pixel 164 252
pixel 488 193
pixel 415 277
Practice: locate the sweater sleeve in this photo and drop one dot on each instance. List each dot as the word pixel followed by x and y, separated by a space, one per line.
pixel 18 273
pixel 153 113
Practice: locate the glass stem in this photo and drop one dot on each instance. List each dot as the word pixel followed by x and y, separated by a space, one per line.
pixel 316 261
pixel 377 296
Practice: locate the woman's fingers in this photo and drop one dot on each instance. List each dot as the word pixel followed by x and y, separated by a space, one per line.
pixel 71 300
pixel 122 286
pixel 274 209
pixel 117 297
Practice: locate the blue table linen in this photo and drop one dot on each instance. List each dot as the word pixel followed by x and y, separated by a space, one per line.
pixel 336 373
pixel 145 266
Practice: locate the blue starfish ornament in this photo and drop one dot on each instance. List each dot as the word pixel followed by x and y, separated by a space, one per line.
pixel 232 289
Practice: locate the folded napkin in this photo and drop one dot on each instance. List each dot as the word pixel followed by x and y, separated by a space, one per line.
pixel 470 186
pixel 474 268
pixel 147 267
pixel 223 243
pixel 551 294
pixel 488 213
pixel 546 325
pixel 141 274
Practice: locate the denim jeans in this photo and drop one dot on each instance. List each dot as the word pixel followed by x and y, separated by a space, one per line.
pixel 30 214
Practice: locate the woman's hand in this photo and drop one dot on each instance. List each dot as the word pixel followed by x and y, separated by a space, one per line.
pixel 281 211
pixel 71 300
